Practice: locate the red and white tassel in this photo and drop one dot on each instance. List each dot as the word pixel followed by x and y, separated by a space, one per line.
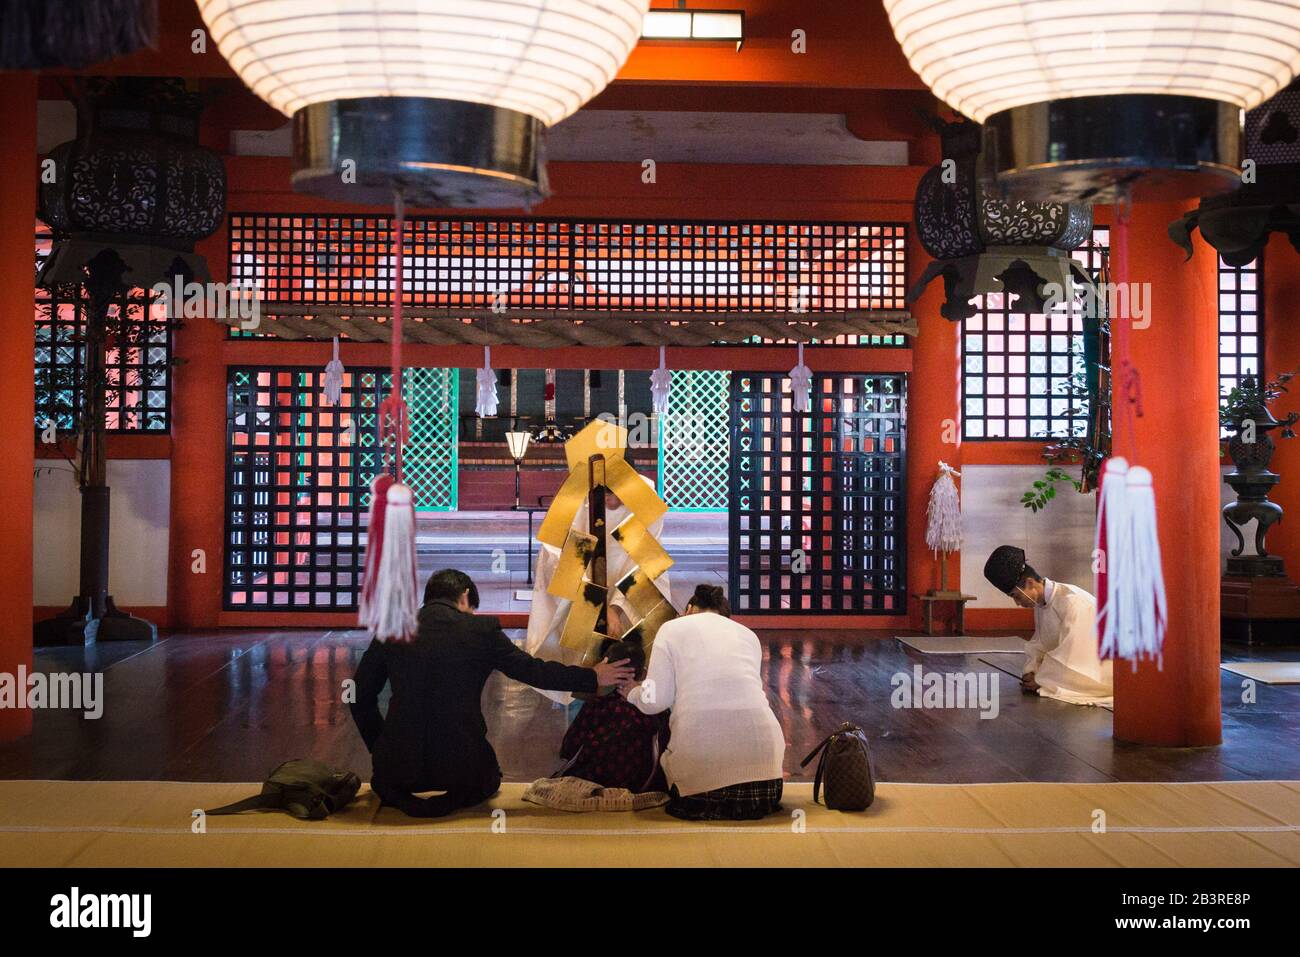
pixel 1132 611
pixel 1112 499
pixel 389 592
pixel 1145 580
pixel 394 600
pixel 374 547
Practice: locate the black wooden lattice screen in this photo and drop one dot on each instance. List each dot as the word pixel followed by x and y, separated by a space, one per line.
pixel 297 476
pixel 519 265
pixel 817 500
pixel 1018 368
pixel 1241 333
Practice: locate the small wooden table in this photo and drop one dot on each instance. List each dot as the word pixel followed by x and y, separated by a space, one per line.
pixel 957 598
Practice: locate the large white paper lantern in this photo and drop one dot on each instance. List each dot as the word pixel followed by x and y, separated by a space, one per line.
pixel 448 98
pixel 1083 97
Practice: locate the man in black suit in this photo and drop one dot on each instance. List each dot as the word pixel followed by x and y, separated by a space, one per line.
pixel 435 738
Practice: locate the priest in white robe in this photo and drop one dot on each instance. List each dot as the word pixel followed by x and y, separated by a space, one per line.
pixel 1061 659
pixel 547 613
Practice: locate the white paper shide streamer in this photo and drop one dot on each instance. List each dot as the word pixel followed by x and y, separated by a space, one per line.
pixel 801 385
pixel 333 387
pixel 660 381
pixel 1132 611
pixel 486 401
pixel 943 517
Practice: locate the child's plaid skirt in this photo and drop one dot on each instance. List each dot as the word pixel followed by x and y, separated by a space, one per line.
pixel 737 802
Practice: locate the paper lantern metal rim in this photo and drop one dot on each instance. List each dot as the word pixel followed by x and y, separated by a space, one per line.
pixel 1097 149
pixel 438 152
pixel 982 57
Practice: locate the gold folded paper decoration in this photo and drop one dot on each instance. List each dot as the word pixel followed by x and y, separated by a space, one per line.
pixel 639 497
pixel 645 630
pixel 642 547
pixel 559 517
pixel 574 558
pixel 598 437
pixel 584 611
pixel 574 571
pixel 641 591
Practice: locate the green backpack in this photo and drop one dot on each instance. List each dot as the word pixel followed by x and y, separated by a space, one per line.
pixel 307 789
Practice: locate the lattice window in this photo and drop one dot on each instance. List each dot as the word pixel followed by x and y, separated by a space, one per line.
pixel 58 364
pixel 818 500
pixel 694 442
pixel 137 360
pixel 551 264
pixel 1018 370
pixel 430 458
pixel 1241 331
pixel 296 488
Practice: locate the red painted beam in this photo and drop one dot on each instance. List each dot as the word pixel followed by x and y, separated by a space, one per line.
pixel 745 358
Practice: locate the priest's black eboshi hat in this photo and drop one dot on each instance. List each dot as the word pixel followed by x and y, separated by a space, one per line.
pixel 1005 567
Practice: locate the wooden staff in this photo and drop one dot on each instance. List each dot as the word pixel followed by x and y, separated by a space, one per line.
pixel 596 526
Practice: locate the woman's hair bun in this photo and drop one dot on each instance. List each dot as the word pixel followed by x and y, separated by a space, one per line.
pixel 711 598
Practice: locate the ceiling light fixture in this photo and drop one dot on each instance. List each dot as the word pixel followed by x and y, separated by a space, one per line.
pixel 718 26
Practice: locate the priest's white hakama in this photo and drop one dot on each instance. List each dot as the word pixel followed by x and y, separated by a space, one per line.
pixel 1062 654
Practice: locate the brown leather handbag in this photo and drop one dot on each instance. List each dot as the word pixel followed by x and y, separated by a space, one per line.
pixel 846 769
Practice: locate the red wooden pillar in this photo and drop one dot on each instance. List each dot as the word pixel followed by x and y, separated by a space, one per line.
pixel 1282 354
pixel 198 462
pixel 933 427
pixel 1178 440
pixel 17 375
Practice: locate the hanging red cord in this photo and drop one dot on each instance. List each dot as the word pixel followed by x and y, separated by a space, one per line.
pixel 389 592
pixel 394 420
pixel 1126 374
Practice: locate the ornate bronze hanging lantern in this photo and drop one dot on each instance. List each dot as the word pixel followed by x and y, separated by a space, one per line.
pixel 134 181
pixel 128 199
pixel 984 244
pixel 1238 224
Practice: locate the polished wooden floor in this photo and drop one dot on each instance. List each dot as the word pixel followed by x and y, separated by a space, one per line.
pixel 229 706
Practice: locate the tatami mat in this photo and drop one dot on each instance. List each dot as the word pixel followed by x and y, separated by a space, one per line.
pixel 1269 672
pixel 104 823
pixel 964 644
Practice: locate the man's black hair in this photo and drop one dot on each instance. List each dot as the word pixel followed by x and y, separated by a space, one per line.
pixel 448 585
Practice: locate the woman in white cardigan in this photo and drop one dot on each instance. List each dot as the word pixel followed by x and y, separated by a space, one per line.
pixel 725 748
